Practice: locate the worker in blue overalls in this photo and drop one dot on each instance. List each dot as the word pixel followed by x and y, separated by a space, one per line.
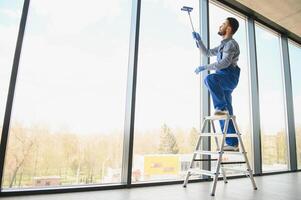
pixel 222 83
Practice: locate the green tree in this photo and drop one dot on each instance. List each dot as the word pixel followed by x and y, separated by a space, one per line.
pixel 168 142
pixel 19 152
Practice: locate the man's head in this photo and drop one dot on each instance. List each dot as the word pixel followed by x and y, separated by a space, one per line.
pixel 229 27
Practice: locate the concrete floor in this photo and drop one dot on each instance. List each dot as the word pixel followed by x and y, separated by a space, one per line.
pixel 271 187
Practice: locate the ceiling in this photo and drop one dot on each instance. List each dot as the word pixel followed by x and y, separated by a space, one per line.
pixel 286 13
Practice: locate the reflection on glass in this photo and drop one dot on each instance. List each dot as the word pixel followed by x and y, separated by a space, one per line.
pixel 271 102
pixel 68 113
pixel 10 15
pixel 167 102
pixel 240 95
pixel 295 63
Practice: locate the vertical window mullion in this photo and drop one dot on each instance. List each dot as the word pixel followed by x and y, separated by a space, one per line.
pixel 255 114
pixel 127 159
pixel 205 98
pixel 12 86
pixel 289 108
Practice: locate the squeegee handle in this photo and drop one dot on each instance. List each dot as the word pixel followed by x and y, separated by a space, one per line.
pixel 196 42
pixel 191 22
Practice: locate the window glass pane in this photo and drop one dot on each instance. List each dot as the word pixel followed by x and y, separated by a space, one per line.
pixel 10 15
pixel 68 113
pixel 240 95
pixel 295 63
pixel 271 102
pixel 167 99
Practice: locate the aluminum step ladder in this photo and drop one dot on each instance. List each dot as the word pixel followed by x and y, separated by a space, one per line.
pixel 220 166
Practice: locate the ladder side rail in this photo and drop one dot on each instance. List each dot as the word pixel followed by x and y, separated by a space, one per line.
pixel 244 154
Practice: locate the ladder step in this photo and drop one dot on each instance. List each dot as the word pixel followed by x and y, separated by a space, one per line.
pixel 235 170
pixel 233 162
pixel 214 159
pixel 201 171
pixel 218 152
pixel 219 117
pixel 219 134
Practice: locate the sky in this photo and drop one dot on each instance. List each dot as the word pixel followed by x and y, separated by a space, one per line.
pixel 73 67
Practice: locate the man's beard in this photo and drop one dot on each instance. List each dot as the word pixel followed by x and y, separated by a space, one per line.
pixel 221 33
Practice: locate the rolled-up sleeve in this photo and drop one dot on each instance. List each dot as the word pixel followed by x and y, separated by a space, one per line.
pixel 228 53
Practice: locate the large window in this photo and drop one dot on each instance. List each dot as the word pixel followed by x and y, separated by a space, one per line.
pixel 240 95
pixel 168 96
pixel 295 63
pixel 68 112
pixel 67 122
pixel 10 14
pixel 271 100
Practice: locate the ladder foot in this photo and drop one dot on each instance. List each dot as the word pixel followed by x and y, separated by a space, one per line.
pixel 184 186
pixel 212 194
pixel 255 188
pixel 226 181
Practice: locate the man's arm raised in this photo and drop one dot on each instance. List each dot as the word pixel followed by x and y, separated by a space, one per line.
pixel 207 52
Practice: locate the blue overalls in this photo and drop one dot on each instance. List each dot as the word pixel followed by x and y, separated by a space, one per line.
pixel 221 85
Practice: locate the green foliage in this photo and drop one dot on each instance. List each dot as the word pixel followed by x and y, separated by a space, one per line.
pixel 168 142
pixel 85 158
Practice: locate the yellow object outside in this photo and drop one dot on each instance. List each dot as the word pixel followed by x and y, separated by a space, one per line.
pixel 161 165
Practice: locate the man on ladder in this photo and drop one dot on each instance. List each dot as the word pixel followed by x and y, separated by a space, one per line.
pixel 222 83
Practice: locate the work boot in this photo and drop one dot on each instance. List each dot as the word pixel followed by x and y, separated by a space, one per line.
pixel 231 148
pixel 221 112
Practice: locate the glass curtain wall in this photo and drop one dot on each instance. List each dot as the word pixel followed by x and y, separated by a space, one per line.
pixel 69 104
pixel 295 63
pixel 271 100
pixel 168 92
pixel 67 121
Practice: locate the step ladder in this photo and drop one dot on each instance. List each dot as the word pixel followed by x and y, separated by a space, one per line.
pixel 220 166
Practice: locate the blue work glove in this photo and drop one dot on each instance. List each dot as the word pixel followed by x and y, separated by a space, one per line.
pixel 199 69
pixel 197 38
